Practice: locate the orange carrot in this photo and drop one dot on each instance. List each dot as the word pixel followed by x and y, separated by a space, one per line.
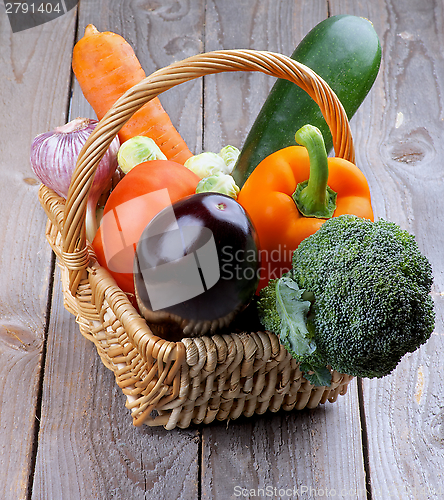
pixel 106 66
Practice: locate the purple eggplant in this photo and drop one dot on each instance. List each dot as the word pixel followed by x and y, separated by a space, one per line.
pixel 197 266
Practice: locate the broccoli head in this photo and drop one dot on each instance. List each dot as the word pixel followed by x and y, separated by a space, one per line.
pixel 371 296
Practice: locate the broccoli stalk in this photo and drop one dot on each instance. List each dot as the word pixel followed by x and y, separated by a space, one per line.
pixel 371 304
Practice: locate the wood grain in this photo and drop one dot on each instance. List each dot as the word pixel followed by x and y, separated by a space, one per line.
pixel 232 101
pixel 398 134
pixel 318 449
pixel 88 447
pixel 34 75
pixel 303 454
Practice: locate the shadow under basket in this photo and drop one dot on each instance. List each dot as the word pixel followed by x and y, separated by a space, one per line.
pixel 195 380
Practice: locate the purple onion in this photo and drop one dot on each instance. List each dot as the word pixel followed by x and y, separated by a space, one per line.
pixel 53 159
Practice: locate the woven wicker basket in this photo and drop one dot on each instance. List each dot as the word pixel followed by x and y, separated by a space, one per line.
pixel 195 380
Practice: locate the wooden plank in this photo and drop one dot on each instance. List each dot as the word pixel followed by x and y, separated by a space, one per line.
pixel 33 98
pixel 233 100
pixel 318 450
pixel 300 454
pixel 88 447
pixel 399 144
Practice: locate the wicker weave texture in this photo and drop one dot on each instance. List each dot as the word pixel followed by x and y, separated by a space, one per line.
pixel 198 380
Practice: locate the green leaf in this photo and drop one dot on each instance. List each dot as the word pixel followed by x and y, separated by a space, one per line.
pixel 316 375
pixel 293 310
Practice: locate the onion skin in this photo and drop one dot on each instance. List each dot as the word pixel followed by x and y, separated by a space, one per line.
pixel 54 156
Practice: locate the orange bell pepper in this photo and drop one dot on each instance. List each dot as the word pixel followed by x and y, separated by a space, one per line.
pixel 292 192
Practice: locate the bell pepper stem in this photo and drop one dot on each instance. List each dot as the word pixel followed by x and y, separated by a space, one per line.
pixel 314 198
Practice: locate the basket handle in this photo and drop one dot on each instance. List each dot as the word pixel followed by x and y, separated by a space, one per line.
pixel 73 233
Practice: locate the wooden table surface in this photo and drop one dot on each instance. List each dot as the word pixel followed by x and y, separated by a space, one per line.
pixel 64 430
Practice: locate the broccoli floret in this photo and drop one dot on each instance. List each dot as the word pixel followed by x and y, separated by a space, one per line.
pixel 371 287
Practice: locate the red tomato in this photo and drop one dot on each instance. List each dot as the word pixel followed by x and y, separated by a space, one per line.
pixel 138 197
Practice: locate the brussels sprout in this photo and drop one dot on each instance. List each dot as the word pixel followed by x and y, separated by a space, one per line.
pixel 218 183
pixel 137 150
pixel 230 155
pixel 206 164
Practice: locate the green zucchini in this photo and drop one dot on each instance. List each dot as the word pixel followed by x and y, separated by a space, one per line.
pixel 345 51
